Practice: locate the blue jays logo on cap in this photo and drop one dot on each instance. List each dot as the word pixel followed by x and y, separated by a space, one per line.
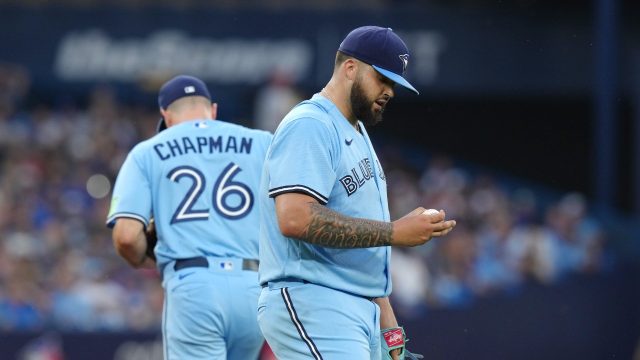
pixel 405 61
pixel 381 48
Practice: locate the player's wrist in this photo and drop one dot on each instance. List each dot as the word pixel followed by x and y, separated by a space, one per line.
pixel 396 234
pixel 140 261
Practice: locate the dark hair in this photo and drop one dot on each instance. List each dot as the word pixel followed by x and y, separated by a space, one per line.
pixel 340 58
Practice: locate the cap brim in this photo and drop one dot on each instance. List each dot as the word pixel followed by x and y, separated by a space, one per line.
pixel 396 78
pixel 161 125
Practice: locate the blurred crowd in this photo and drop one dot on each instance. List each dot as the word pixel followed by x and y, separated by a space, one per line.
pixel 506 237
pixel 58 268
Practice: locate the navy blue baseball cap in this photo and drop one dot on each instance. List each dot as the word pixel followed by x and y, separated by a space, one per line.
pixel 177 88
pixel 381 48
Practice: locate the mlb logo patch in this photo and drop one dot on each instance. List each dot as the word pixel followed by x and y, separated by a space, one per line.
pixel 189 90
pixel 226 265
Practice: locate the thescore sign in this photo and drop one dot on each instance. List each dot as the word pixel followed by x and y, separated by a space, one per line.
pixel 94 55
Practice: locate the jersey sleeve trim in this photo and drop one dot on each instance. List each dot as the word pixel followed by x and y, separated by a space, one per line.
pixel 298 189
pixel 111 221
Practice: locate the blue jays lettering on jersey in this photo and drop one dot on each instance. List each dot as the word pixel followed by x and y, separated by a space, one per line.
pixel 316 151
pixel 197 175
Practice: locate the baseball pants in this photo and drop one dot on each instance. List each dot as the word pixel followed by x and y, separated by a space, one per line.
pixel 306 321
pixel 210 312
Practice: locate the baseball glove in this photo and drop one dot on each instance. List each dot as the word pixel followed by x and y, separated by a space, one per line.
pixel 395 338
pixel 152 239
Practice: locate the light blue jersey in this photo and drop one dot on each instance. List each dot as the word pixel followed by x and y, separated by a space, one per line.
pixel 198 180
pixel 317 152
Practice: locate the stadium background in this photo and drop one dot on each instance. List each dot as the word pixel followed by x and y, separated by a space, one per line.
pixel 527 131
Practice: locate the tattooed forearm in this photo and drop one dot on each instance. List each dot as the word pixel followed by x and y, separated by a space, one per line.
pixel 331 229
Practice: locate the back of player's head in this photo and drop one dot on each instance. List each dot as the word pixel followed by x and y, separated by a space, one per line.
pixel 381 48
pixel 177 88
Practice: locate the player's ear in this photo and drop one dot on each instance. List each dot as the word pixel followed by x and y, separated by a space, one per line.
pixel 214 111
pixel 168 117
pixel 164 113
pixel 350 68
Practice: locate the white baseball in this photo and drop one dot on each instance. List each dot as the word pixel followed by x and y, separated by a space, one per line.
pixel 431 212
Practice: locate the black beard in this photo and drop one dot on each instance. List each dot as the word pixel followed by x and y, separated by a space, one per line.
pixel 363 108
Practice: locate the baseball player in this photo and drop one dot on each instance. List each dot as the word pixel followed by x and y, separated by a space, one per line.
pixel 198 180
pixel 325 231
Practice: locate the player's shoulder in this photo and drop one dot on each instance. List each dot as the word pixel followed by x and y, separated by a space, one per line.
pixel 144 145
pixel 308 114
pixel 309 109
pixel 244 130
pixel 139 154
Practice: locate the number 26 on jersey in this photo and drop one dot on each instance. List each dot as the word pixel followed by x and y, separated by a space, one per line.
pixel 231 208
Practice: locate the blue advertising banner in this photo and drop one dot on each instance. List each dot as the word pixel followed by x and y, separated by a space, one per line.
pixel 464 52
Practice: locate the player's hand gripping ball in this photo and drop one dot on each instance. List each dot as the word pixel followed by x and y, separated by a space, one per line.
pixel 430 212
pixel 152 239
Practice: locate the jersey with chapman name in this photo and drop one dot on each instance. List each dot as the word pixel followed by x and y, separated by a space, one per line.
pixel 316 151
pixel 199 180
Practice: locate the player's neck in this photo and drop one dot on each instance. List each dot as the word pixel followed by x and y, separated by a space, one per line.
pixel 340 100
pixel 191 116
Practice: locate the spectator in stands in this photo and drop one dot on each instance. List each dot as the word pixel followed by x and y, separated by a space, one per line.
pixel 274 100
